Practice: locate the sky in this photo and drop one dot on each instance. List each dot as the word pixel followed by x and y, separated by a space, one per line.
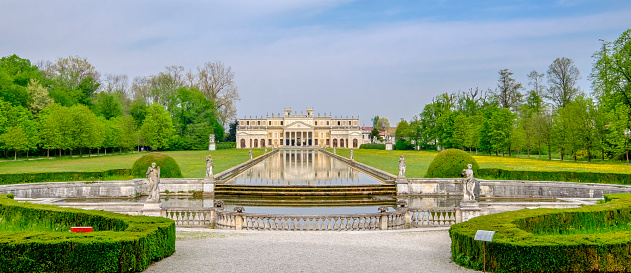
pixel 344 57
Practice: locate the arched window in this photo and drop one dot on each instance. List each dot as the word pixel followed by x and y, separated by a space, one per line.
pixel 256 143
pixel 354 143
pixel 242 143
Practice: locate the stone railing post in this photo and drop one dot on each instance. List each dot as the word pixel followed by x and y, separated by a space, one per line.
pixel 383 222
pixel 408 219
pixel 458 215
pixel 213 218
pixel 238 222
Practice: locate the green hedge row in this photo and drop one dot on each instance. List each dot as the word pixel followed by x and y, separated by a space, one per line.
pixel 587 177
pixel 375 146
pixel 120 243
pixel 17 178
pixel 225 145
pixel 587 239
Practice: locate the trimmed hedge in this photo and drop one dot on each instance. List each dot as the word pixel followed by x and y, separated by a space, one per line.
pixel 225 145
pixel 375 146
pixel 168 167
pixel 586 239
pixel 120 243
pixel 588 177
pixel 450 163
pixel 17 178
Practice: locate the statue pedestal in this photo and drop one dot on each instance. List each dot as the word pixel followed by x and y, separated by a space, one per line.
pixel 402 185
pixel 389 146
pixel 151 209
pixel 211 146
pixel 469 209
pixel 208 186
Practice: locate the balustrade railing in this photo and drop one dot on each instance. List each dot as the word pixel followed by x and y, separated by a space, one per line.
pixel 395 220
pixel 186 217
pixel 432 217
pixel 355 222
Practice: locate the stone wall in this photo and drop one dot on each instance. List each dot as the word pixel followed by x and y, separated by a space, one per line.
pixel 514 188
pixel 100 189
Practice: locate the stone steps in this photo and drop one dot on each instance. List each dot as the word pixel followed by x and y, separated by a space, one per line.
pixel 384 190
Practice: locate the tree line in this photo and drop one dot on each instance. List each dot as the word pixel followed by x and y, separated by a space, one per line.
pixel 552 116
pixel 66 106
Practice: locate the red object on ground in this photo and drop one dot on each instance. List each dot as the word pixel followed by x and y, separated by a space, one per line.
pixel 81 229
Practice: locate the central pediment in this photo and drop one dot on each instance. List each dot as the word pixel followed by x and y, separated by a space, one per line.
pixel 297 125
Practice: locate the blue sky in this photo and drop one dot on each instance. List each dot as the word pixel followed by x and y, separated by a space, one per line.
pixel 386 58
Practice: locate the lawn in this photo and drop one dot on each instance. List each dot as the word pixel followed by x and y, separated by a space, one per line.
pixel 192 163
pixel 418 162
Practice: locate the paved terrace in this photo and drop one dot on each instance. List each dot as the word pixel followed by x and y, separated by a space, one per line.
pixel 205 250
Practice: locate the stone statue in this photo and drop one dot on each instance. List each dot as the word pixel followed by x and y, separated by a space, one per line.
pixel 250 153
pixel 265 149
pixel 334 151
pixel 352 154
pixel 153 176
pixel 209 167
pixel 211 142
pixel 402 166
pixel 468 183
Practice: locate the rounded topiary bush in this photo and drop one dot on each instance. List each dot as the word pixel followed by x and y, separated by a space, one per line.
pixel 450 163
pixel 168 167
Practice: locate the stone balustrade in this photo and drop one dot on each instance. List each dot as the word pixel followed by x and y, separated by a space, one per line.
pixel 187 217
pixel 395 220
pixel 431 217
pixel 266 222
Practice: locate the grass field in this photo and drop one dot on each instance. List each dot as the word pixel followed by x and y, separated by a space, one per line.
pixel 418 162
pixel 192 163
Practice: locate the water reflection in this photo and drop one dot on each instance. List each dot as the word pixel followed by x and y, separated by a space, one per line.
pixel 304 168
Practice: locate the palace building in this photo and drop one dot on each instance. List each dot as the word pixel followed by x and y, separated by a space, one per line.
pixel 299 130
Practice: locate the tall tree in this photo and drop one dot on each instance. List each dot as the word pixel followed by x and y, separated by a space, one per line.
pixel 383 124
pixel 495 134
pixel 508 90
pixel 232 132
pixel 157 127
pixel 38 97
pixel 15 74
pixel 216 82
pixel 562 78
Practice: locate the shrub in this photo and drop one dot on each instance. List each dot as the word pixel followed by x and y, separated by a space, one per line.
pixel 375 146
pixel 450 163
pixel 17 178
pixel 586 239
pixel 120 243
pixel 225 145
pixel 404 145
pixel 168 167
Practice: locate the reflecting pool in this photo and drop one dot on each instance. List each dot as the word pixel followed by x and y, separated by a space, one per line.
pixel 302 168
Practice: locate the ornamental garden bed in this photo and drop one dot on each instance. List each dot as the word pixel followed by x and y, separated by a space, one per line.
pixel 37 238
pixel 587 239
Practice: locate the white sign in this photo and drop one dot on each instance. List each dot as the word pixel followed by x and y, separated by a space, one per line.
pixel 484 235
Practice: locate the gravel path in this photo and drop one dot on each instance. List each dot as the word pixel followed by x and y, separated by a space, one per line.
pixel 205 250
